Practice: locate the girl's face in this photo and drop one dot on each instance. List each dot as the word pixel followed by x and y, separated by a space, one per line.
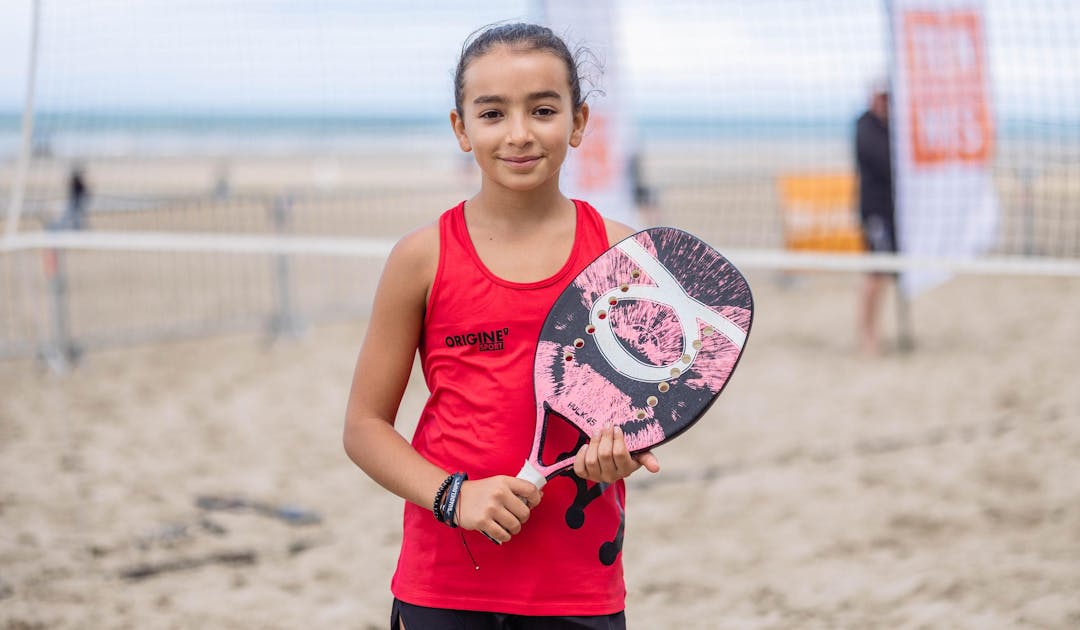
pixel 518 118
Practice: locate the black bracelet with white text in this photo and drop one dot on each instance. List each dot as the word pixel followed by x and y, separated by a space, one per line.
pixel 453 493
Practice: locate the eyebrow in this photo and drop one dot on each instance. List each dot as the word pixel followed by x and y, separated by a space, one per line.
pixel 485 99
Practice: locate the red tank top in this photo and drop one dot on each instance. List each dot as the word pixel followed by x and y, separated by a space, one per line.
pixel 477 351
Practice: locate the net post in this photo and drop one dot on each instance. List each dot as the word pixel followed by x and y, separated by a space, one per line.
pixel 58 350
pixel 284 322
pixel 18 188
pixel 1026 175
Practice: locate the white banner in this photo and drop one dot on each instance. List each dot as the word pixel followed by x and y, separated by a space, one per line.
pixel 598 170
pixel 943 133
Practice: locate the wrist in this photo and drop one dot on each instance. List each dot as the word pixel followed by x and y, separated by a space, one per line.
pixel 451 499
pixel 436 505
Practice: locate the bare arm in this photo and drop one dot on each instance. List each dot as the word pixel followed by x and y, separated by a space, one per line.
pixel 617 231
pixel 382 373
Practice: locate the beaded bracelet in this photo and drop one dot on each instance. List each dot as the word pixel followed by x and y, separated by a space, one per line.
pixel 437 505
pixel 453 493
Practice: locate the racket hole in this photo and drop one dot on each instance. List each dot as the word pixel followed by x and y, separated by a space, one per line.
pixel 601 315
pixel 613 300
pixel 635 273
pixel 675 372
pixel 590 329
pixel 640 415
pixel 624 287
pixel 652 401
pixel 567 356
pixel 696 344
pixel 579 343
pixel 663 387
pixel 686 358
pixel 707 331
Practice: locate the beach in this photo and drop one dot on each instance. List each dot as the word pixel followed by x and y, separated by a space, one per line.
pixel 177 345
pixel 936 488
pixel 189 471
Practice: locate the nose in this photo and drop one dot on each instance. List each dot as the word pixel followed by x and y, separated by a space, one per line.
pixel 518 132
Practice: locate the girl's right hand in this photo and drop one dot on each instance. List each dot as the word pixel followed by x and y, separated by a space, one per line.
pixel 497 506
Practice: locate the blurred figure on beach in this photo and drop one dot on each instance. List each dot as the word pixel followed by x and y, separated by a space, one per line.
pixel 221 180
pixel 645 198
pixel 873 162
pixel 77 195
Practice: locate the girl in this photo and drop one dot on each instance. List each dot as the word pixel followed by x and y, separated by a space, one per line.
pixel 471 292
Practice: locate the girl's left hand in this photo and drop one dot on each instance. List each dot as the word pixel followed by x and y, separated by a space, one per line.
pixel 605 458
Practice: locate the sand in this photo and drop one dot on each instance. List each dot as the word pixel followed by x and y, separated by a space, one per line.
pixel 938 488
pixel 934 489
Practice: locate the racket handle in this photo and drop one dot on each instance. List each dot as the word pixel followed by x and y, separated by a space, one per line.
pixel 531 474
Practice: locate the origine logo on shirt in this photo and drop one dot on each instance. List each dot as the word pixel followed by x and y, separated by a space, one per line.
pixel 485 341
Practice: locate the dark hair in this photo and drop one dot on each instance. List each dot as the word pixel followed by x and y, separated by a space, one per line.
pixel 521 36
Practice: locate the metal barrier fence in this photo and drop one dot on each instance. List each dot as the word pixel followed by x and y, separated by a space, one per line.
pixel 59 302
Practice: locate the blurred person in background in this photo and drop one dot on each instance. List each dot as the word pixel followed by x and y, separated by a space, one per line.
pixel 78 193
pixel 645 198
pixel 873 162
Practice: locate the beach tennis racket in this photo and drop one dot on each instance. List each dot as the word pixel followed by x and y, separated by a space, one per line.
pixel 644 338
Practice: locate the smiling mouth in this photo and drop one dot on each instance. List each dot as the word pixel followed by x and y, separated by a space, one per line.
pixel 521 161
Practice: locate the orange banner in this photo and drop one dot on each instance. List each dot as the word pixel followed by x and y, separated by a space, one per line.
pixel 950 115
pixel 595 171
pixel 819 213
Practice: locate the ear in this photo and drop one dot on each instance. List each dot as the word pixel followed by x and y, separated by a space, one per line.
pixel 458 125
pixel 581 119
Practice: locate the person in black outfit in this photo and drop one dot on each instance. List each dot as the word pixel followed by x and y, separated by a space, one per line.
pixel 644 196
pixel 876 208
pixel 78 192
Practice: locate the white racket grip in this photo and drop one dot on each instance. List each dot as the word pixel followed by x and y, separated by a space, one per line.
pixel 531 474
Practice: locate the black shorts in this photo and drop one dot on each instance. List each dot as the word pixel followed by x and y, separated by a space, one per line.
pixel 423 618
pixel 879 233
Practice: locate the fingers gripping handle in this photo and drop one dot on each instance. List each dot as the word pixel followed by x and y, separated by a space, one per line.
pixel 531 474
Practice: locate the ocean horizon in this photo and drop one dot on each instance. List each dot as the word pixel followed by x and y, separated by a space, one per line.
pixel 108 133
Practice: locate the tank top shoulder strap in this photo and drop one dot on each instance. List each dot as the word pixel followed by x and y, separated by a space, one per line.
pixel 452 227
pixel 592 238
pixel 451 251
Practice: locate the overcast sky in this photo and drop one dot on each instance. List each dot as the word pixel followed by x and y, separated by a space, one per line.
pixel 808 57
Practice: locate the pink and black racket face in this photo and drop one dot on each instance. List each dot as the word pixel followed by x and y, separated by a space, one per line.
pixel 645 338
